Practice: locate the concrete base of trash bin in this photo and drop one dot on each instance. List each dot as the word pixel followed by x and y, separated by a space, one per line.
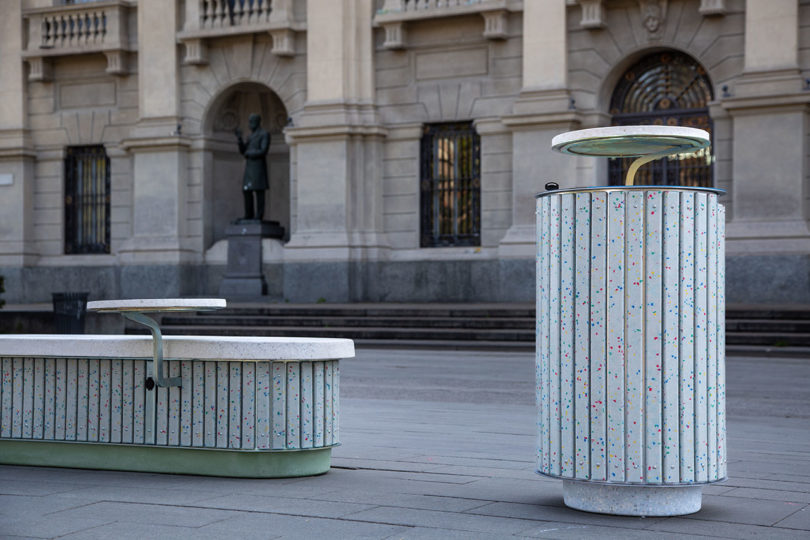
pixel 626 500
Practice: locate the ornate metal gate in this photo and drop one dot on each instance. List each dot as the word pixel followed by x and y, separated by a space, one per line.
pixel 666 88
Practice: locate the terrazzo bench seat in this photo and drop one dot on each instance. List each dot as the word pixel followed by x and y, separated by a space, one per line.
pixel 256 407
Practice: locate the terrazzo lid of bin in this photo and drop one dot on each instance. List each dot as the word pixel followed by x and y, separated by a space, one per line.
pixel 631 141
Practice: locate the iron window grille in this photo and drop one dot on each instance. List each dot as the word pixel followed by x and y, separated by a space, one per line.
pixel 450 185
pixel 666 88
pixel 87 200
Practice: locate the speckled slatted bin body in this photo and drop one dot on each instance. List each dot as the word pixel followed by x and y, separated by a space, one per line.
pixel 269 394
pixel 631 335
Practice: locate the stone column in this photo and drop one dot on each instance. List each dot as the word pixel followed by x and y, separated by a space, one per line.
pixel 768 109
pixel 160 154
pixel 338 144
pixel 17 248
pixel 542 110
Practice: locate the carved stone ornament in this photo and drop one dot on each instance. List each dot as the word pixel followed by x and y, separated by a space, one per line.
pixel 653 13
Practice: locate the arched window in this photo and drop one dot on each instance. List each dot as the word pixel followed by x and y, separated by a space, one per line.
pixel 666 89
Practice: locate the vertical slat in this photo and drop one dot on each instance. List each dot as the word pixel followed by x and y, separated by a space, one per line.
pixel 197 404
pixel 60 395
pixel 670 354
pixel 615 336
pixel 17 399
pixel 543 335
pixel 582 334
pixel 248 405
pixel 28 398
pixel 39 397
pixel 138 402
pixel 567 376
pixel 279 405
pixel 598 337
pixel 711 325
pixel 554 336
pixel 50 398
pixel 104 400
pixel 317 397
pixel 336 402
pixel 634 338
pixel 82 399
pixel 264 410
pixel 235 406
pixel 127 401
pixel 701 337
pixel 653 335
pixel 306 405
pixel 327 404
pixel 222 394
pixel 93 379
pixel 173 412
pixel 186 402
pixel 293 405
pixel 211 405
pixel 71 398
pixel 721 342
pixel 687 338
pixel 7 397
pixel 161 413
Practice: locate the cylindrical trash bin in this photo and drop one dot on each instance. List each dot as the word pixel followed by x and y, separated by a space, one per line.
pixel 69 309
pixel 630 346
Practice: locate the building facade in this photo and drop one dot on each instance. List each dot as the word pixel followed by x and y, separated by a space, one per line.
pixel 408 137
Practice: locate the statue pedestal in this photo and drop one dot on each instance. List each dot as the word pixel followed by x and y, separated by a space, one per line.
pixel 243 276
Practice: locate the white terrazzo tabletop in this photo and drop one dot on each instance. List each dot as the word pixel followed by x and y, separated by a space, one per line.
pixel 146 305
pixel 205 348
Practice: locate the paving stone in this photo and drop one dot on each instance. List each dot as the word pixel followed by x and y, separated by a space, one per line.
pixel 283 505
pixel 424 533
pixel 739 510
pixel 49 528
pixel 798 520
pixel 718 529
pixel 587 532
pixel 135 513
pixel 248 526
pixel 448 520
pixel 540 512
pixel 149 530
pixel 767 494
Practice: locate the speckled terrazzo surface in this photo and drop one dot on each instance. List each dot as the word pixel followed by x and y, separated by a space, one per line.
pixel 438 445
pixel 176 347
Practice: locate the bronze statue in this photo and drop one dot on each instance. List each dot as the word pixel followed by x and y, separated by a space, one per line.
pixel 254 181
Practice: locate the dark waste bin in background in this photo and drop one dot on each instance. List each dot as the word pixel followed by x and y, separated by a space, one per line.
pixel 69 309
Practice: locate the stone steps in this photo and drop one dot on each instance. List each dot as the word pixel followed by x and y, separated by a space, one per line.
pixel 449 326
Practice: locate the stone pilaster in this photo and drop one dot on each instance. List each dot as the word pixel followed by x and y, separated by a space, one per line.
pixel 17 246
pixel 769 107
pixel 159 149
pixel 543 109
pixel 337 139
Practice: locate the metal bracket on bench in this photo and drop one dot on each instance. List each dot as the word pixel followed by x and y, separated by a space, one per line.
pixel 157 348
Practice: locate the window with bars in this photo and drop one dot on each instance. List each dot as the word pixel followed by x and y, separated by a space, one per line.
pixel 87 200
pixel 664 88
pixel 450 185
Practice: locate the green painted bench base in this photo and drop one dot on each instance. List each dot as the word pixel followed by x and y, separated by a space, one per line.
pixel 161 459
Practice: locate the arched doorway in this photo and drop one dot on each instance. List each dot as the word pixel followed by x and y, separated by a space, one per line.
pixel 664 88
pixel 225 165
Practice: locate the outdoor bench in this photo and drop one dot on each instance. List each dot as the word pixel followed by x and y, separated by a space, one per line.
pixel 245 406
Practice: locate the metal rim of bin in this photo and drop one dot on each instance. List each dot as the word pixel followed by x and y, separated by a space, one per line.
pixel 608 189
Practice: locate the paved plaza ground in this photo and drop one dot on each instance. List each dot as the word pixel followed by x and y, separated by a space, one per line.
pixel 438 444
